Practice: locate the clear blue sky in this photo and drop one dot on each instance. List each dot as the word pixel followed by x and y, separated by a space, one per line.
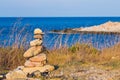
pixel 59 8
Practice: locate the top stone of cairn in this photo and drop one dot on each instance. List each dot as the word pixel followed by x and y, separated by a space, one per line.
pixel 38 31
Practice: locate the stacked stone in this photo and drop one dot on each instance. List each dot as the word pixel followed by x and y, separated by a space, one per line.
pixel 35 56
pixel 35 60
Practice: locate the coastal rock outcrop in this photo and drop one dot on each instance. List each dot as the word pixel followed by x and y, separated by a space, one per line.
pixel 36 60
pixel 106 27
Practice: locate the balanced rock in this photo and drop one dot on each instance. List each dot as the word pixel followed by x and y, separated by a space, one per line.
pixel 46 68
pixel 36 42
pixel 38 58
pixel 38 31
pixel 29 63
pixel 38 50
pixel 35 61
pixel 39 64
pixel 38 36
pixel 33 51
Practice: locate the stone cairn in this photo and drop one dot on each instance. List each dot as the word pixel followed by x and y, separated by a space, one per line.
pixel 35 56
pixel 35 60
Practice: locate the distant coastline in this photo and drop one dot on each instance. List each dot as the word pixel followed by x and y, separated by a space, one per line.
pixel 106 28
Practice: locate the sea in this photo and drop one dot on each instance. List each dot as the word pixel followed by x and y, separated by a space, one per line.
pixel 19 31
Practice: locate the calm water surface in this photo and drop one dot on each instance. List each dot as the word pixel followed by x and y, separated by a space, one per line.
pixel 20 30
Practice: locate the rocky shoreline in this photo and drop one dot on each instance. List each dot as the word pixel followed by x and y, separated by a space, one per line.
pixel 86 73
pixel 106 28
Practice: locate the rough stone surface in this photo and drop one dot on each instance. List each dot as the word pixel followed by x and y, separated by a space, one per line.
pixel 16 75
pixel 36 42
pixel 38 36
pixel 106 27
pixel 56 79
pixel 38 64
pixel 39 58
pixel 33 79
pixel 45 68
pixel 33 51
pixel 29 64
pixel 34 64
pixel 38 50
pixel 38 31
pixel 86 73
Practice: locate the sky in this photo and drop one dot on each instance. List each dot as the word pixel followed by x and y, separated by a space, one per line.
pixel 59 8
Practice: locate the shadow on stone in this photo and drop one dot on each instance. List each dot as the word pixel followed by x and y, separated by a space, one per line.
pixel 44 74
pixel 30 75
pixel 56 67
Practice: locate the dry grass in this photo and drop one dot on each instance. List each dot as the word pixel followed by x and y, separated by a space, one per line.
pixel 78 52
pixel 114 52
pixel 11 57
pixel 109 57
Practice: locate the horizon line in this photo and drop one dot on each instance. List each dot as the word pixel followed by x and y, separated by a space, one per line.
pixel 51 16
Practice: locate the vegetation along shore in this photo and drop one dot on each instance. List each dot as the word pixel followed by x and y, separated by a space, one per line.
pixel 78 62
pixel 106 28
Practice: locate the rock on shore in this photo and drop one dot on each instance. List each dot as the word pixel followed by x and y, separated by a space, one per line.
pixel 106 27
pixel 36 61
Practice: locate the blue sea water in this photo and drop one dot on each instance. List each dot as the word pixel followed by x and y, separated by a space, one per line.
pixel 14 30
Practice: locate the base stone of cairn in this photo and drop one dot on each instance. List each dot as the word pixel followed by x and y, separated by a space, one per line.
pixel 36 60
